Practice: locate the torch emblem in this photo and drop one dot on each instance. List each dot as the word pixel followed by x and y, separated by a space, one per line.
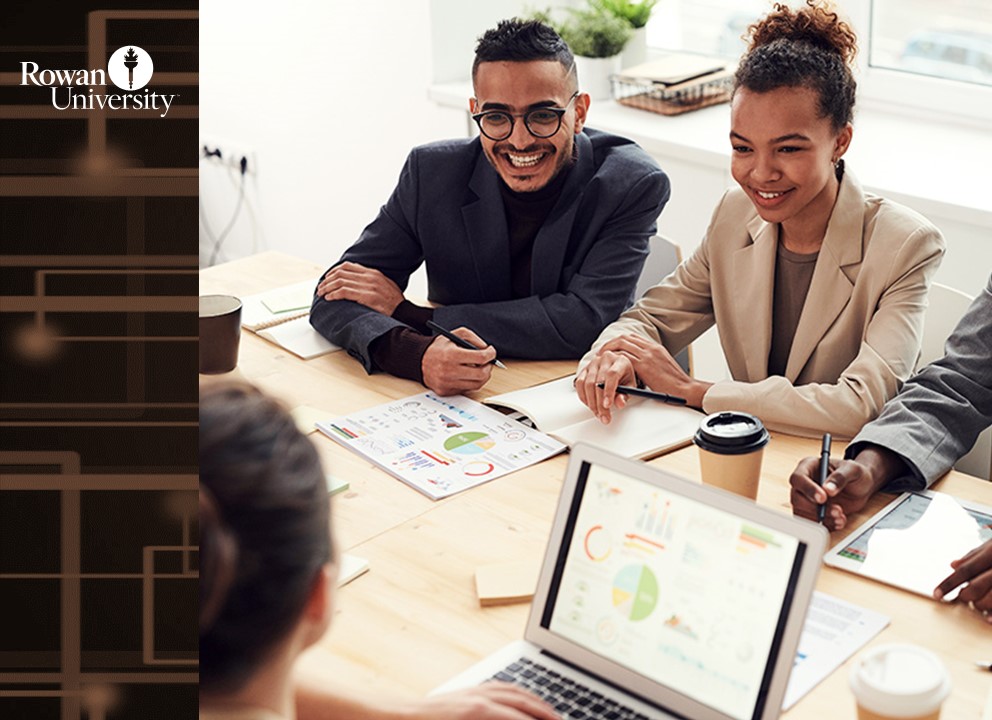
pixel 130 62
pixel 130 68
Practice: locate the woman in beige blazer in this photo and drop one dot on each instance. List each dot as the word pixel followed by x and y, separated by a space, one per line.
pixel 817 288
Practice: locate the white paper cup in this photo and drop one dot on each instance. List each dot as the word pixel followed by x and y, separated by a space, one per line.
pixel 899 682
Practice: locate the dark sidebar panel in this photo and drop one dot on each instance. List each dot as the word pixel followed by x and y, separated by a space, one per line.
pixel 98 354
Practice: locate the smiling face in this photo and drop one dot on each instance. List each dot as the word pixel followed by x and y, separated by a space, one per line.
pixel 524 162
pixel 783 157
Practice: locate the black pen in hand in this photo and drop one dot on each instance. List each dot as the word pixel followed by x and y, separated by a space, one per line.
pixel 822 475
pixel 460 342
pixel 662 397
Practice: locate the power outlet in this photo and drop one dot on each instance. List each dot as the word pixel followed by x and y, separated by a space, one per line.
pixel 230 152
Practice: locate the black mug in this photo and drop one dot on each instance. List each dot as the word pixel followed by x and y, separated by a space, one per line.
pixel 220 333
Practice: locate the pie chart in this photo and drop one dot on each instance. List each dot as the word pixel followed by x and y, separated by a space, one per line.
pixel 635 592
pixel 469 443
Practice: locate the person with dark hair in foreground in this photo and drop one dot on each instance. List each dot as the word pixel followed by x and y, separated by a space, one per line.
pixel 533 234
pixel 817 288
pixel 268 568
pixel 920 434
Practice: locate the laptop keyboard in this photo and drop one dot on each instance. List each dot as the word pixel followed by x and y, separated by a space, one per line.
pixel 569 698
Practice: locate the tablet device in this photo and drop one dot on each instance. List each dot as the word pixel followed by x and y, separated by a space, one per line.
pixel 901 513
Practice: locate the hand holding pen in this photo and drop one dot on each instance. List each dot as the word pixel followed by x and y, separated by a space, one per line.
pixel 450 368
pixel 462 342
pixel 822 472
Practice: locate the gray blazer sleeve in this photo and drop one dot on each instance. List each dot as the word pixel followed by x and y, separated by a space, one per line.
pixel 940 412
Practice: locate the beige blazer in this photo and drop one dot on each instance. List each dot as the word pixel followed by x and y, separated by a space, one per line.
pixel 240 714
pixel 860 330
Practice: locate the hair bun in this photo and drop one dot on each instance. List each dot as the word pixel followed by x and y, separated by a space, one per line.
pixel 815 24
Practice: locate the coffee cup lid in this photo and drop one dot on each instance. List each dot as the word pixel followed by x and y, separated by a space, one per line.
pixel 900 680
pixel 731 433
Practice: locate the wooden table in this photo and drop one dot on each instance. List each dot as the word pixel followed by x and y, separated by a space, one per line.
pixel 413 621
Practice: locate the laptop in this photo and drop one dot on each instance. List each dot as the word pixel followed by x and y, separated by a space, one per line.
pixel 661 598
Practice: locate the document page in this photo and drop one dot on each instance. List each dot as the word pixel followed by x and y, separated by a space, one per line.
pixel 834 630
pixel 441 445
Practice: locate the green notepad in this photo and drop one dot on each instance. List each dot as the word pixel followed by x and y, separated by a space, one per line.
pixel 288 299
pixel 335 484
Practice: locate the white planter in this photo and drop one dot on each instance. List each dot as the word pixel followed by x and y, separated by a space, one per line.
pixel 594 75
pixel 636 50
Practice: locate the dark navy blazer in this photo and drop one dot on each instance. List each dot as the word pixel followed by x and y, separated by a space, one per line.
pixel 447 212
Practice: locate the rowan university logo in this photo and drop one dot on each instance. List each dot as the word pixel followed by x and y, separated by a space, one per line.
pixel 130 68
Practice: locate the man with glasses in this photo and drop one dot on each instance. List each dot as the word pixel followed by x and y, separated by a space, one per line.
pixel 533 234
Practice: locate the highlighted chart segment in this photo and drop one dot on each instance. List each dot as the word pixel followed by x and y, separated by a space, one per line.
pixel 469 443
pixel 597 544
pixel 752 539
pixel 635 592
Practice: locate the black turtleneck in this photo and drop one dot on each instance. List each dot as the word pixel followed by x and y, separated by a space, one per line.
pixel 401 350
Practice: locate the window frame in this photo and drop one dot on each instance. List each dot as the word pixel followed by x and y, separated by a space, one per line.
pixel 932 97
pixel 901 91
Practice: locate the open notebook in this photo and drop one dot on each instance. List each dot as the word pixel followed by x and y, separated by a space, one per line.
pixel 282 316
pixel 642 429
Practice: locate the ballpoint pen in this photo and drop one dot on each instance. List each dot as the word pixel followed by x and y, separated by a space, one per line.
pixel 662 397
pixel 460 342
pixel 822 475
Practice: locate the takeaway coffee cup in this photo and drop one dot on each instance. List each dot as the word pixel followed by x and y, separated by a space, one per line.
pixel 220 333
pixel 730 448
pixel 899 682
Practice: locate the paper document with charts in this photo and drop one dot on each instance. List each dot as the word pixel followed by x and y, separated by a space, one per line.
pixel 643 429
pixel 440 445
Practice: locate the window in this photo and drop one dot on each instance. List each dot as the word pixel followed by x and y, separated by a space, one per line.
pixel 918 53
pixel 954 43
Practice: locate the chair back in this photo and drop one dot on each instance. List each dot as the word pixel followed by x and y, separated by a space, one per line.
pixel 946 308
pixel 664 256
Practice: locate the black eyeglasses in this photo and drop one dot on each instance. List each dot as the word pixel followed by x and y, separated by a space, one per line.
pixel 540 122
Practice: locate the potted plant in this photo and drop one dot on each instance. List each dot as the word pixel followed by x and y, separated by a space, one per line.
pixel 596 38
pixel 637 15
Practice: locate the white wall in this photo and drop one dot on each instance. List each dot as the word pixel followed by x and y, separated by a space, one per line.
pixel 330 97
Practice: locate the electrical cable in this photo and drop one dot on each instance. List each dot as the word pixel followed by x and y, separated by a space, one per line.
pixel 250 208
pixel 234 218
pixel 219 240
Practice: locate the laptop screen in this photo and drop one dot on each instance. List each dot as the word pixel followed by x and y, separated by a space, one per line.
pixel 692 597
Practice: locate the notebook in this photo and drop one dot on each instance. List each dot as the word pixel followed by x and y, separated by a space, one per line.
pixel 674 69
pixel 690 599
pixel 282 316
pixel 280 305
pixel 642 429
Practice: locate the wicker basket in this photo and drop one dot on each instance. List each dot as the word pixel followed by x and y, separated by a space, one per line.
pixel 700 92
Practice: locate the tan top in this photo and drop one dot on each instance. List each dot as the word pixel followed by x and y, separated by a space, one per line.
pixel 793 275
pixel 241 714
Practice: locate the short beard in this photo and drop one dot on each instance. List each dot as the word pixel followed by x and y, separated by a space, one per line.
pixel 564 159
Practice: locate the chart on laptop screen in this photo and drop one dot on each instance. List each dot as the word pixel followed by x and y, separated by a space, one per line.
pixel 678 591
